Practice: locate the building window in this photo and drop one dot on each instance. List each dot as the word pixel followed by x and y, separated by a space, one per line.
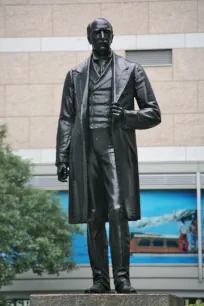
pixel 172 244
pixel 144 243
pixel 150 57
pixel 158 243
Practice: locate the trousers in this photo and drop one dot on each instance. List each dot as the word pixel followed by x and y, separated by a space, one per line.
pixel 103 182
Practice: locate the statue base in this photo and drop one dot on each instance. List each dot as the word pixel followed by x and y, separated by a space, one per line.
pixel 106 300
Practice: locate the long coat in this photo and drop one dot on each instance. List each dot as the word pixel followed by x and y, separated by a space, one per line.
pixel 129 82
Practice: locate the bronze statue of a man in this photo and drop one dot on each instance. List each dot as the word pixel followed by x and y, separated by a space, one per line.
pixel 96 147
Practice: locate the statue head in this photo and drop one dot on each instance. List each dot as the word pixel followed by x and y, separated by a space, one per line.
pixel 100 35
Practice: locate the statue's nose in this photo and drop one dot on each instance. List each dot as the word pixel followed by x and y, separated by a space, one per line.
pixel 102 34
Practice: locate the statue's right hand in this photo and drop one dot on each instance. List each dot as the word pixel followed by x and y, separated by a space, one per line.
pixel 62 172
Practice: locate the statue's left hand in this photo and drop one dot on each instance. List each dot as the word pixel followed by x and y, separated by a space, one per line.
pixel 117 111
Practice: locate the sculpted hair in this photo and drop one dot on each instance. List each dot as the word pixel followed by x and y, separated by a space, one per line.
pixel 90 25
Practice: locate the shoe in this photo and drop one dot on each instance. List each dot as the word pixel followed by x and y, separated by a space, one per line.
pixel 98 287
pixel 124 287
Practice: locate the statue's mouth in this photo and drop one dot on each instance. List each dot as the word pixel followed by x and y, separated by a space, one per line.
pixel 103 42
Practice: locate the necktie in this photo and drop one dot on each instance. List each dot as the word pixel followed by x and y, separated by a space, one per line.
pixel 102 64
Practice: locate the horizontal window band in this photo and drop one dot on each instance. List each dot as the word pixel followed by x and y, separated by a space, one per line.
pixel 187 156
pixel 120 42
pixel 161 181
pixel 151 57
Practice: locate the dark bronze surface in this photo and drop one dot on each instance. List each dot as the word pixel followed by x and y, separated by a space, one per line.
pixel 96 147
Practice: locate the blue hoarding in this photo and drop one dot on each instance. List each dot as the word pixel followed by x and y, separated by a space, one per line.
pixel 166 233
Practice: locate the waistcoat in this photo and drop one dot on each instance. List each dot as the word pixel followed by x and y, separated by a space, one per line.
pixel 100 97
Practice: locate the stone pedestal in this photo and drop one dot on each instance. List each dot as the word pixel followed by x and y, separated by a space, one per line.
pixel 106 300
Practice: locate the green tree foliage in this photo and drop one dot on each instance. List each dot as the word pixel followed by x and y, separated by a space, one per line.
pixel 34 234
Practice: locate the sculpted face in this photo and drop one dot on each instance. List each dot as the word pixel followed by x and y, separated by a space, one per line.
pixel 100 36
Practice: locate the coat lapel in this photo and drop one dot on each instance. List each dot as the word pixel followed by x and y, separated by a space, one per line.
pixel 82 86
pixel 121 75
